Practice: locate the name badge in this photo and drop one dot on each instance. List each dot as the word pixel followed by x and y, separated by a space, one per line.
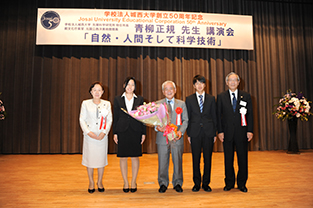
pixel 243 103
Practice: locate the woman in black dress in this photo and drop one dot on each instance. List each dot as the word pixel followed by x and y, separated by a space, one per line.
pixel 129 134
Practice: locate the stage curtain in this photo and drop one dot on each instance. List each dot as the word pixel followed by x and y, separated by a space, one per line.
pixel 43 86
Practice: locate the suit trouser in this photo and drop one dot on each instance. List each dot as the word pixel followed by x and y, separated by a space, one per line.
pixel 177 158
pixel 242 158
pixel 205 143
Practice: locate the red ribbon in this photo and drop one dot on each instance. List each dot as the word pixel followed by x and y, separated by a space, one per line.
pixel 178 111
pixel 101 123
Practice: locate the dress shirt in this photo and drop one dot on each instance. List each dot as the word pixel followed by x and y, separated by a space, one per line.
pixel 129 103
pixel 231 95
pixel 172 102
pixel 198 98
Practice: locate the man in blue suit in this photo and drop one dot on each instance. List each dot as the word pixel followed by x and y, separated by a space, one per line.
pixel 201 131
pixel 235 129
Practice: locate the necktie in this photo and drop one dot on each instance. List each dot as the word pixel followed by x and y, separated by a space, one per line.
pixel 169 106
pixel 234 102
pixel 201 103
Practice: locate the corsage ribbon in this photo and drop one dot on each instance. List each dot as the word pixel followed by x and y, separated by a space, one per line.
pixel 178 111
pixel 103 120
pixel 243 112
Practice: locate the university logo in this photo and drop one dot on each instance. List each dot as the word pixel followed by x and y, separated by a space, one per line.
pixel 50 20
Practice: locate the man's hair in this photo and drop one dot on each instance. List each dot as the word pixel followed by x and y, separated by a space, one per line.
pixel 231 73
pixel 164 83
pixel 198 78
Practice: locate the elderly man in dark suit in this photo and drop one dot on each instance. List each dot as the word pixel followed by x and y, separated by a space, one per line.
pixel 177 111
pixel 235 129
pixel 201 131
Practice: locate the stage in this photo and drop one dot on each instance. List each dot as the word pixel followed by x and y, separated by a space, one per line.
pixel 276 179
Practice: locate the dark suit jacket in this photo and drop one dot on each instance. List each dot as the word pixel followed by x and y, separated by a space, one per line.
pixel 228 121
pixel 122 121
pixel 207 118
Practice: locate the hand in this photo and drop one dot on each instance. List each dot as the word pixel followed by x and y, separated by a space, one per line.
pixel 115 138
pixel 249 136
pixel 143 138
pixel 92 135
pixel 101 136
pixel 161 129
pixel 221 137
pixel 214 139
pixel 179 134
pixel 189 140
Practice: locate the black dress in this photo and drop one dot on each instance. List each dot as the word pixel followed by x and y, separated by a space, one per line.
pixel 129 131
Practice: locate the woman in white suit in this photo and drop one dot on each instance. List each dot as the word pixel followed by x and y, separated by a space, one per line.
pixel 95 121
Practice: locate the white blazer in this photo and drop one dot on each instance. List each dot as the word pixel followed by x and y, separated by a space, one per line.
pixel 91 117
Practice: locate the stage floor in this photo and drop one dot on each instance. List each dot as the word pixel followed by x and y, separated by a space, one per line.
pixel 276 179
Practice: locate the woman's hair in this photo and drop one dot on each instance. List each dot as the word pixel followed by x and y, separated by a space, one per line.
pixel 95 83
pixel 127 80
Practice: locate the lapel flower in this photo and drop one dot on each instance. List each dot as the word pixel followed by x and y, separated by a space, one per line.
pixel 178 110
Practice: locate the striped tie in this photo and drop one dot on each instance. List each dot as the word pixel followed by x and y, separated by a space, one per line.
pixel 201 103
pixel 234 102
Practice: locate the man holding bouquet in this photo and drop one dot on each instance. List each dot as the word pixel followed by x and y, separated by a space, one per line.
pixel 178 116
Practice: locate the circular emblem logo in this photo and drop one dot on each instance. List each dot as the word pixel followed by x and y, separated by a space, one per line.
pixel 50 20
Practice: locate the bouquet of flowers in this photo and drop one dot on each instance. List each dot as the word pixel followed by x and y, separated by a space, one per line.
pixel 293 105
pixel 153 114
pixel 2 110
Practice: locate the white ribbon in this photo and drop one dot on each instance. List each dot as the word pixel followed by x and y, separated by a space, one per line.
pixel 243 112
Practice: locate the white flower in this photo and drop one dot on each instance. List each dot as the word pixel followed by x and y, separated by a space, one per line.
pixel 296 102
pixel 293 100
pixel 298 115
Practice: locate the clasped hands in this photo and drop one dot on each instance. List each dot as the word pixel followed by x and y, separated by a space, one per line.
pixel 115 138
pixel 94 136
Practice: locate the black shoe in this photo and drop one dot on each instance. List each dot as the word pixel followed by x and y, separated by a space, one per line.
pixel 126 190
pixel 133 190
pixel 228 188
pixel 243 189
pixel 101 189
pixel 195 188
pixel 178 188
pixel 207 188
pixel 91 191
pixel 162 189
